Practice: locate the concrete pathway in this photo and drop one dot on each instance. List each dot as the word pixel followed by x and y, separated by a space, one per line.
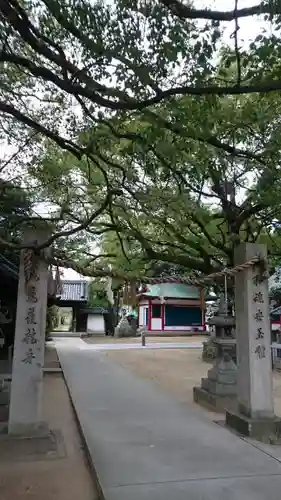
pixel 145 445
pixel 84 346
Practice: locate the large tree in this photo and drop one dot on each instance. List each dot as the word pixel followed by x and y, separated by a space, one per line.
pixel 60 56
pixel 171 201
pixel 152 128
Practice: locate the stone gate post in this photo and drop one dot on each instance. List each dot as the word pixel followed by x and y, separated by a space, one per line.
pixel 27 375
pixel 255 410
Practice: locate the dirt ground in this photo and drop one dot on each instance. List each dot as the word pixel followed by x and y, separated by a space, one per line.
pixel 177 371
pixel 66 478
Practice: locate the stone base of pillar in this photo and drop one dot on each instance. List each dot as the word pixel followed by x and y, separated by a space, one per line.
pixel 213 402
pixel 33 430
pixel 218 391
pixel 264 430
pixel 42 447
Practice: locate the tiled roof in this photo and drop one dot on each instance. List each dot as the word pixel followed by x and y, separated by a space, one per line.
pixel 75 291
pixel 173 291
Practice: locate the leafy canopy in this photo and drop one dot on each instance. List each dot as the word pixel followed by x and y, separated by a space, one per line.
pixel 130 118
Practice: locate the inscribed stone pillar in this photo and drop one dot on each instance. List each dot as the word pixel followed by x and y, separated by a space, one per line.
pixel 254 376
pixel 29 343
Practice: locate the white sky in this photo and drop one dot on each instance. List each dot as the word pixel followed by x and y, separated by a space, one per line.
pixel 249 27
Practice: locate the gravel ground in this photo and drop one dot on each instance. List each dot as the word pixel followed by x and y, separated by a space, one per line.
pixel 177 371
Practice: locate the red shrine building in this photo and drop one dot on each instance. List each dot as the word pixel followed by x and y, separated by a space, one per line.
pixel 171 307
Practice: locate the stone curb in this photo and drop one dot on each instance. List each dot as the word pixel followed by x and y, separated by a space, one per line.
pixel 92 467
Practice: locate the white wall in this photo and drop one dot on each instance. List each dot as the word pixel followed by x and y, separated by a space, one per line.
pixel 142 308
pixel 141 315
pixel 95 323
pixel 156 324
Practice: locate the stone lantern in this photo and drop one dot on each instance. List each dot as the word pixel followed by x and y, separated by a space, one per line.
pixel 218 390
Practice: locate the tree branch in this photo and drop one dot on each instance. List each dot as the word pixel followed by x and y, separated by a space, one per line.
pixel 22 25
pixel 211 140
pixel 17 152
pixel 92 46
pixel 60 141
pixel 185 260
pixel 184 12
pixel 236 44
pixel 69 232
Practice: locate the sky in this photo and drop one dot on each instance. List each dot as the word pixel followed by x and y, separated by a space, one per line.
pixel 249 27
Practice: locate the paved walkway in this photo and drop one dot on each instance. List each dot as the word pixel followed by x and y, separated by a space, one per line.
pixel 84 346
pixel 145 445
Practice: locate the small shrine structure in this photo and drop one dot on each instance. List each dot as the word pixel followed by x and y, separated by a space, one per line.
pixel 168 307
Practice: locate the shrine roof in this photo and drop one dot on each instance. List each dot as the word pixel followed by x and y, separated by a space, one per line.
pixel 172 291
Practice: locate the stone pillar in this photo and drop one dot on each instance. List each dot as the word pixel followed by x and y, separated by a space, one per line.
pixel 255 415
pixel 29 343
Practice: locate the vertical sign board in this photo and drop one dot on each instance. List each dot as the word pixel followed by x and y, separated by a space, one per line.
pixel 254 375
pixel 28 360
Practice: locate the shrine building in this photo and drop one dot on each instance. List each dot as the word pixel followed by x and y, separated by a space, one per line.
pixel 171 307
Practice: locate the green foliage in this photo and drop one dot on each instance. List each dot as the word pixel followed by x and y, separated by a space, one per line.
pixel 15 210
pixel 97 294
pixel 129 123
pixel 172 207
pixel 108 57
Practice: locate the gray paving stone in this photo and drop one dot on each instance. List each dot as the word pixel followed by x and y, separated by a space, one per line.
pixel 144 444
pixel 250 488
